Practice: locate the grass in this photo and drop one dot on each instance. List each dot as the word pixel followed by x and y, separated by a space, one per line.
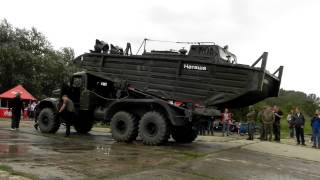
pixel 102 125
pixel 15 173
pixel 285 127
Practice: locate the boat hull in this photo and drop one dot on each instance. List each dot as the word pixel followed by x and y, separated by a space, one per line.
pixel 187 79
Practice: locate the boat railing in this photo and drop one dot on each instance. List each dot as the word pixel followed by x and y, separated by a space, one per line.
pixel 279 71
pixel 263 58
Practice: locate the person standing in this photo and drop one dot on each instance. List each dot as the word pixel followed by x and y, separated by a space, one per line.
pixel 202 125
pixel 316 130
pixel 29 111
pixel 267 117
pixel 251 119
pixel 290 124
pixel 32 108
pixel 314 126
pixel 66 112
pixel 211 126
pixel 226 118
pixel 16 105
pixel 259 116
pixel 276 125
pixel 299 121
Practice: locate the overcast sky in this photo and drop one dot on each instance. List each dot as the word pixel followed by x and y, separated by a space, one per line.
pixel 288 29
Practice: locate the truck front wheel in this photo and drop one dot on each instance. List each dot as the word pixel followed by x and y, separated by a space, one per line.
pixel 47 121
pixel 124 127
pixel 153 128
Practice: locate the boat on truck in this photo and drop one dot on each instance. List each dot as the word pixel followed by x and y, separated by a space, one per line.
pixel 158 94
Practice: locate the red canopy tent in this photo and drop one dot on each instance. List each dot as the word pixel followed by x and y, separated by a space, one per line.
pixel 10 94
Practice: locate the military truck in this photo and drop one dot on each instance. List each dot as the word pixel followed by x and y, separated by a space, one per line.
pixel 158 94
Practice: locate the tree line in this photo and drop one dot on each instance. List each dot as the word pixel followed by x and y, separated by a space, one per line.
pixel 28 58
pixel 288 100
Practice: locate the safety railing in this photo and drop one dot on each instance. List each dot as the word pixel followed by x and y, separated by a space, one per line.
pixel 263 58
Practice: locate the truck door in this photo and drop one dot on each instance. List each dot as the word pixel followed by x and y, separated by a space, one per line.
pixel 77 85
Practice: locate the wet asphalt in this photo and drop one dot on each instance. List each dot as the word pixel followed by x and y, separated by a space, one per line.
pixel 97 156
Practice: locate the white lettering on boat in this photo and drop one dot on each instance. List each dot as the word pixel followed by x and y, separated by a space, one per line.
pixel 194 67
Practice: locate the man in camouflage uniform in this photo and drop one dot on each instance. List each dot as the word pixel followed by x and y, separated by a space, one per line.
pixel 251 120
pixel 259 118
pixel 267 117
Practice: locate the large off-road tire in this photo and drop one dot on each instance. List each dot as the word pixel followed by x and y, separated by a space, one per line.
pixel 83 123
pixel 124 127
pixel 153 128
pixel 47 121
pixel 184 134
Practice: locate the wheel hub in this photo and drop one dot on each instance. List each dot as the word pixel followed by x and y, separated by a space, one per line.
pixel 121 126
pixel 152 129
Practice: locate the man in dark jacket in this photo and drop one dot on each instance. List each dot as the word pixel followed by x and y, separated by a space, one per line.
pixel 276 125
pixel 298 121
pixel 16 105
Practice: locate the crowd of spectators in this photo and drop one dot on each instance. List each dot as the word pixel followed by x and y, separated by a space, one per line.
pixel 268 120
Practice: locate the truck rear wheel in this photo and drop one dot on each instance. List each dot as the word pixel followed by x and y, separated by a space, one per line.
pixel 153 128
pixel 184 134
pixel 124 127
pixel 47 121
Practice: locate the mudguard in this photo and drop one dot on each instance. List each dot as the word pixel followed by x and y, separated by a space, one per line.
pixel 47 103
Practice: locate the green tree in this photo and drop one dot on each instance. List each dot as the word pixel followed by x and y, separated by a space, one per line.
pixel 27 58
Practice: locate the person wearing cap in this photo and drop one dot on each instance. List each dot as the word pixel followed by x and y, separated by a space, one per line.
pixel 251 119
pixel 16 105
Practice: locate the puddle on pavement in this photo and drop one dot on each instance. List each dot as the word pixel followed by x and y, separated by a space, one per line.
pixel 13 149
pixel 9 135
pixel 67 147
pixel 92 155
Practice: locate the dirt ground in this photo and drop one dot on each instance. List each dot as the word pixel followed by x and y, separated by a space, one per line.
pixel 98 156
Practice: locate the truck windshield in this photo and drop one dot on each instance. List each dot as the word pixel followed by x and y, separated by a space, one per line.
pixel 77 81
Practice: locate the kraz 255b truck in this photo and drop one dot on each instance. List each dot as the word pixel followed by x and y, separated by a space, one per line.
pixel 158 94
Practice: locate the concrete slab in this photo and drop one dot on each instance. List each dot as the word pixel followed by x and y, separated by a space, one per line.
pixel 292 151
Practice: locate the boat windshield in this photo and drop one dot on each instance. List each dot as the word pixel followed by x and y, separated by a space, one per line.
pixel 227 56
